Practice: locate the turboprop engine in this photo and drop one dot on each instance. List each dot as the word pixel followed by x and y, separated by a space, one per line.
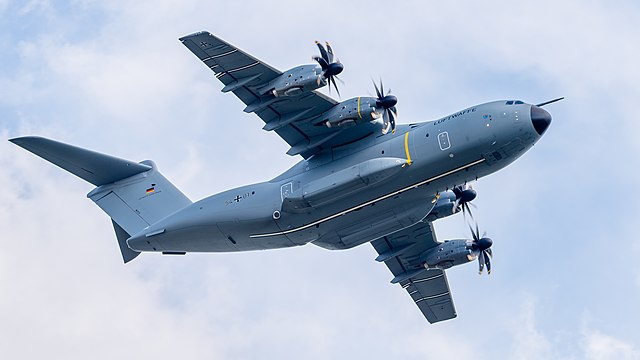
pixel 452 201
pixel 456 252
pixel 305 78
pixel 351 112
pixel 364 109
pixel 296 81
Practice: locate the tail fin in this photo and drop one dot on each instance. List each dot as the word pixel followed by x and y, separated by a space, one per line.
pixel 134 195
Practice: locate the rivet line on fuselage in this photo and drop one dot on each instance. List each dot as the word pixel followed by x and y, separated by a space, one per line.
pixel 344 212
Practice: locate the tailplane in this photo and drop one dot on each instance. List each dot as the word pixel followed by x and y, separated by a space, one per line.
pixel 134 195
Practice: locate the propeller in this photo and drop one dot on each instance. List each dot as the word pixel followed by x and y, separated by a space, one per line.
pixel 482 245
pixel 388 104
pixel 330 69
pixel 464 195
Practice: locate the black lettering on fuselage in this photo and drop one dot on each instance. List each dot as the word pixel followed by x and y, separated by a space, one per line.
pixel 453 116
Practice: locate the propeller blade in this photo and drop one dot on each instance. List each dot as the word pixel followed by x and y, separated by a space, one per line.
pixel 465 210
pixel 481 262
pixel 392 121
pixel 385 118
pixel 487 262
pixel 330 51
pixel 337 78
pixel 381 88
pixel 377 91
pixel 456 204
pixel 489 252
pixel 332 78
pixel 475 238
pixel 323 52
pixel 323 63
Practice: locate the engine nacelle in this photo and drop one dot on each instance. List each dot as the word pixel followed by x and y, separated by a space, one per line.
pixel 295 81
pixel 352 112
pixel 444 206
pixel 447 254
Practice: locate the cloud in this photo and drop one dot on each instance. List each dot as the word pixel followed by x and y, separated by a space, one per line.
pixel 599 346
pixel 528 341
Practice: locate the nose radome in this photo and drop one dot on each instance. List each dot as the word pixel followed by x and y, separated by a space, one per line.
pixel 540 119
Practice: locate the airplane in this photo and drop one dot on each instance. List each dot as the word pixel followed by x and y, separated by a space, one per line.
pixel 361 179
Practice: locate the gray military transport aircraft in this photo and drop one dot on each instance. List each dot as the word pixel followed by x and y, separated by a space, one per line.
pixel 361 180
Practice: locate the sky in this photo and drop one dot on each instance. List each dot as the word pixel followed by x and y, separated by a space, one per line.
pixel 113 77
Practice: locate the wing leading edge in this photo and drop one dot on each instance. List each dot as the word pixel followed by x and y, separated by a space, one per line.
pixel 429 289
pixel 293 118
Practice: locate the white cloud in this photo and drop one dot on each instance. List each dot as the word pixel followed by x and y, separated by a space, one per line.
pixel 528 341
pixel 599 346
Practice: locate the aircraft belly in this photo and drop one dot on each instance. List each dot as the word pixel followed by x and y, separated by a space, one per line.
pixel 342 183
pixel 372 222
pixel 383 210
pixel 219 223
pixel 239 232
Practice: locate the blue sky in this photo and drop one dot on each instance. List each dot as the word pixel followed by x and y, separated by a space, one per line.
pixel 113 77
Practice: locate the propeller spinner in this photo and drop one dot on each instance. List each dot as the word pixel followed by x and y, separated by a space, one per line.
pixel 388 104
pixel 464 195
pixel 330 69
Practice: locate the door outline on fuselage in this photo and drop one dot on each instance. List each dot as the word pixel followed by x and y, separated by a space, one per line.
pixel 443 141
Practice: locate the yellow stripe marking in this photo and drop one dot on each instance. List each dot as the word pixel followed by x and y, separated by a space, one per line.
pixel 360 116
pixel 406 147
pixel 397 192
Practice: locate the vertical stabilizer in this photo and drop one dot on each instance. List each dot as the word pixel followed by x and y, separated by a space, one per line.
pixel 134 195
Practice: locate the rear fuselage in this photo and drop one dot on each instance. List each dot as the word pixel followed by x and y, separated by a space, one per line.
pixel 354 193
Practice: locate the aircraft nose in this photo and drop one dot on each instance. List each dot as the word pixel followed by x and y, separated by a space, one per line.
pixel 540 119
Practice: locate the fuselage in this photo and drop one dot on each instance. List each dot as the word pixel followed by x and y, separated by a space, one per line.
pixel 357 192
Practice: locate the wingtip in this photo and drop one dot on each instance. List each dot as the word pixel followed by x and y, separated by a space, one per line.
pixel 22 140
pixel 183 38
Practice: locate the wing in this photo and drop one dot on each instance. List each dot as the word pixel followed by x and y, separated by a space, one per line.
pixel 429 289
pixel 290 117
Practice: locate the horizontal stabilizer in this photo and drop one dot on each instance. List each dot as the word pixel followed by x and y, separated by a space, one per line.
pixel 96 168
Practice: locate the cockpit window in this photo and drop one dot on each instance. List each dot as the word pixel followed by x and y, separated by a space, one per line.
pixel 515 102
pixel 510 102
pixel 518 102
